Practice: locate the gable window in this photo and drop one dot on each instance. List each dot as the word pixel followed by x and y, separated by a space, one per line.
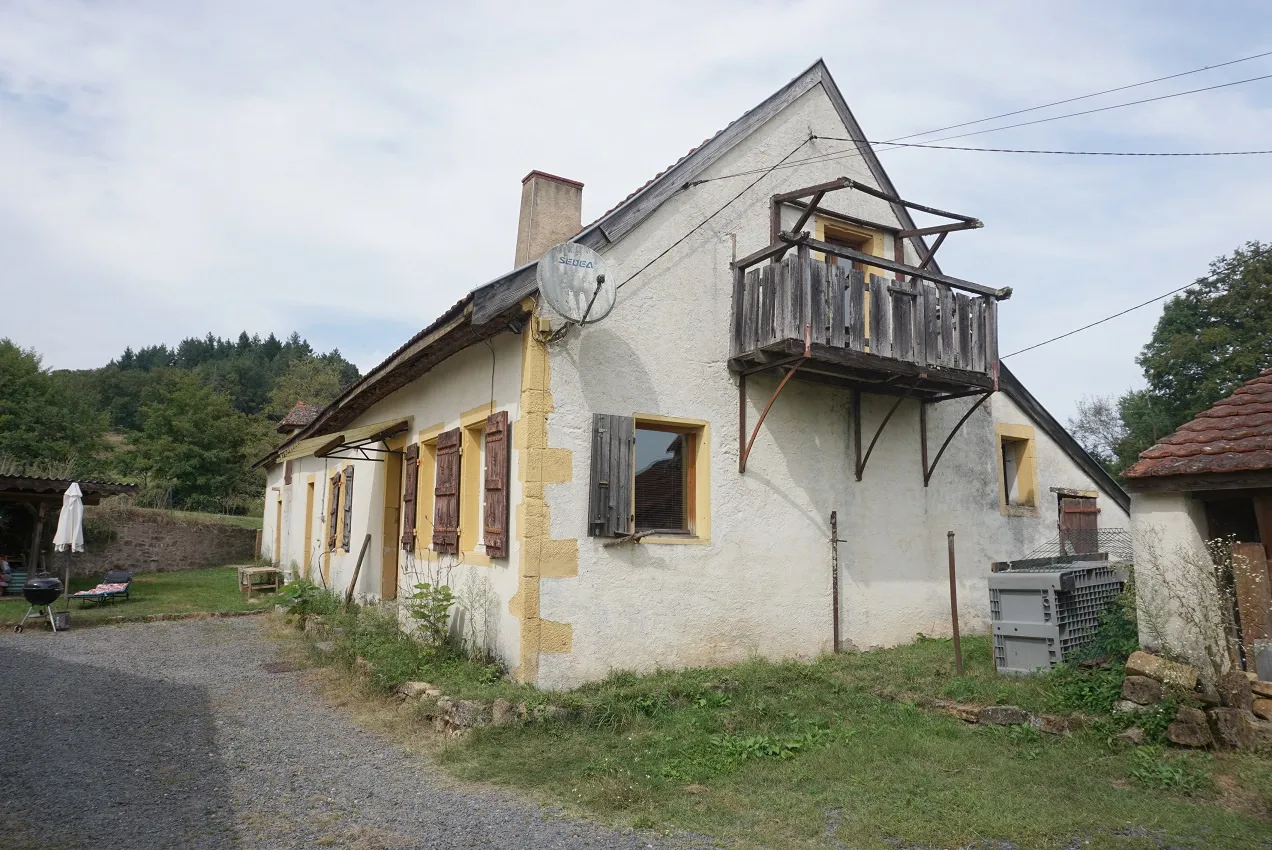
pixel 1017 470
pixel 858 239
pixel 650 478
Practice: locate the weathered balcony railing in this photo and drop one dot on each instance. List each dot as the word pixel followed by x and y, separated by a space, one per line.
pixel 916 322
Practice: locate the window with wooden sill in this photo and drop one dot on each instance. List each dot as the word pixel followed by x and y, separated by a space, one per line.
pixel 1017 470
pixel 650 479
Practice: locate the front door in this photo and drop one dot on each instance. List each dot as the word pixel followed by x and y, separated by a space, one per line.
pixel 390 534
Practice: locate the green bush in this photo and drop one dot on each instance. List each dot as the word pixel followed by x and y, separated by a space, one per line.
pixel 304 599
pixel 430 606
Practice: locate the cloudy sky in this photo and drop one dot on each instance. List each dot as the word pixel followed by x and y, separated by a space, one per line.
pixel 349 170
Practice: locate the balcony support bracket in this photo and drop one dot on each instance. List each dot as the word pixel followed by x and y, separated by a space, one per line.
pixel 923 406
pixel 856 423
pixel 792 366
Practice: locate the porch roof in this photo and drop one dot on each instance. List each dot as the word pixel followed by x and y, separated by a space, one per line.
pixel 34 488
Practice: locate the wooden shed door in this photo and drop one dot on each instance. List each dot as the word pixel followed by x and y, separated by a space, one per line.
pixel 1079 523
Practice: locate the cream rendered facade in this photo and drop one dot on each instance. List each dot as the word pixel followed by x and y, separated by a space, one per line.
pixel 571 608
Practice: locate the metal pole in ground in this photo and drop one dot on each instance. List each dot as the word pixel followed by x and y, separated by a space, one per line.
pixel 958 649
pixel 834 575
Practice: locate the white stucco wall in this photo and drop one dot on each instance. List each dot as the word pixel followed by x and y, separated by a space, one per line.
pixel 461 384
pixel 1169 531
pixel 761 585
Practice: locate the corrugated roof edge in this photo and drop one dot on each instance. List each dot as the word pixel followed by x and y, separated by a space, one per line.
pixel 1015 390
pixel 115 486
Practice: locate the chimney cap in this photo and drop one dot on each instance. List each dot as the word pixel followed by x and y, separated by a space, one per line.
pixel 537 173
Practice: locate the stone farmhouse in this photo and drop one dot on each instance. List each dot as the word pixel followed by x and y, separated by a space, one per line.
pixel 759 451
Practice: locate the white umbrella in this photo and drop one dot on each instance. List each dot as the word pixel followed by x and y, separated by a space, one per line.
pixel 70 530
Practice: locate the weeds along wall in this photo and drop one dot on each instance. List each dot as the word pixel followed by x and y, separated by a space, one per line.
pixel 761 584
pixel 456 393
pixel 1174 577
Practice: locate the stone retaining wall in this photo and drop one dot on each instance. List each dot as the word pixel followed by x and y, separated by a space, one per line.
pixel 155 541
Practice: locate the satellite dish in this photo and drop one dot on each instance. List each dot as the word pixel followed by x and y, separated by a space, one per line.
pixel 575 283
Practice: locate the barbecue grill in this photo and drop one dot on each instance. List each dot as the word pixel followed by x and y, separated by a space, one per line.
pixel 41 592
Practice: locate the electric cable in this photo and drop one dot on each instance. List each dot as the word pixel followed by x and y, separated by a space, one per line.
pixel 1082 97
pixel 833 155
pixel 727 203
pixel 1053 152
pixel 1207 279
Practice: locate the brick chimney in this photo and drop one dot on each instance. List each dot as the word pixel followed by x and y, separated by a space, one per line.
pixel 551 212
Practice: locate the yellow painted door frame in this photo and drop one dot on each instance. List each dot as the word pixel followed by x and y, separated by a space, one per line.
pixel 391 531
pixel 278 530
pixel 308 556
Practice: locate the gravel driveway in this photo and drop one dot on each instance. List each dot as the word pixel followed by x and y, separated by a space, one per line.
pixel 174 735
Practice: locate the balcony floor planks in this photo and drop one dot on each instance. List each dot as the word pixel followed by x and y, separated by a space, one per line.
pixel 862 370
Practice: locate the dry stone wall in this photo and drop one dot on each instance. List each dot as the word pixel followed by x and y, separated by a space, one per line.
pixel 148 542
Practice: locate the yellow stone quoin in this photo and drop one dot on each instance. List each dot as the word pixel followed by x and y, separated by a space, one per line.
pixel 539 556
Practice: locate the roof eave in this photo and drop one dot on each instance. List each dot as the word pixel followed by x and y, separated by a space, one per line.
pixel 1011 385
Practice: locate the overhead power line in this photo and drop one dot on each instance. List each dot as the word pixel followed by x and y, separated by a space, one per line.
pixel 721 209
pixel 1253 256
pixel 851 152
pixel 1053 153
pixel 1105 108
pixel 1081 97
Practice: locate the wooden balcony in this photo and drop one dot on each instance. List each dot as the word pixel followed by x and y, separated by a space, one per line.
pixel 872 334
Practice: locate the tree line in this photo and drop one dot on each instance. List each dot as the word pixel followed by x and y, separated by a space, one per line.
pixel 1209 340
pixel 184 423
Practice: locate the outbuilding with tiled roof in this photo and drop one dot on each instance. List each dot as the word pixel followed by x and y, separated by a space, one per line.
pixel 1202 490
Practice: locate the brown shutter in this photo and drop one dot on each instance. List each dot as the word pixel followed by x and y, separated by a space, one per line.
pixel 333 511
pixel 1079 523
pixel 610 492
pixel 348 509
pixel 446 494
pixel 495 507
pixel 412 471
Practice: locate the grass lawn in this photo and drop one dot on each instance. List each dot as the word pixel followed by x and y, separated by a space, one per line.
pixel 256 522
pixel 213 589
pixel 850 752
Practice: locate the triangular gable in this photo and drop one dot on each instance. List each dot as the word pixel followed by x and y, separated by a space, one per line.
pixel 1009 384
pixel 501 294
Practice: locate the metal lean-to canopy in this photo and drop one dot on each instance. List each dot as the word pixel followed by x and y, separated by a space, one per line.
pixel 351 443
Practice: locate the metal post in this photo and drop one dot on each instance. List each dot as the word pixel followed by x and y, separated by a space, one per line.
pixel 958 649
pixel 834 575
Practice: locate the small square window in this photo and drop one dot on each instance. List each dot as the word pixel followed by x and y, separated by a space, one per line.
pixel 1017 484
pixel 662 493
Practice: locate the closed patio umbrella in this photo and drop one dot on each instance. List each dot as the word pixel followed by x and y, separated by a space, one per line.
pixel 70 530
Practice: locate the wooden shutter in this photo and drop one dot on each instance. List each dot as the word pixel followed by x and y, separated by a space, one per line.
pixel 333 511
pixel 446 494
pixel 610 492
pixel 412 472
pixel 348 509
pixel 495 506
pixel 1079 523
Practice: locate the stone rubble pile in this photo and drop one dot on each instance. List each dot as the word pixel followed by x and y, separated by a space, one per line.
pixel 1237 711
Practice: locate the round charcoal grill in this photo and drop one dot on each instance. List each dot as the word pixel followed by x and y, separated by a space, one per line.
pixel 40 592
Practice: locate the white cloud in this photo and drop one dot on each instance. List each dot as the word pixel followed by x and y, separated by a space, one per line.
pixel 168 168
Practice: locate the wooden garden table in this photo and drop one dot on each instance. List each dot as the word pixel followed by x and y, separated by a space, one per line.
pixel 272 578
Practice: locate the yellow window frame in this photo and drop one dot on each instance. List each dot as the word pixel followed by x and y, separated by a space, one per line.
pixel 697 488
pixel 1022 439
